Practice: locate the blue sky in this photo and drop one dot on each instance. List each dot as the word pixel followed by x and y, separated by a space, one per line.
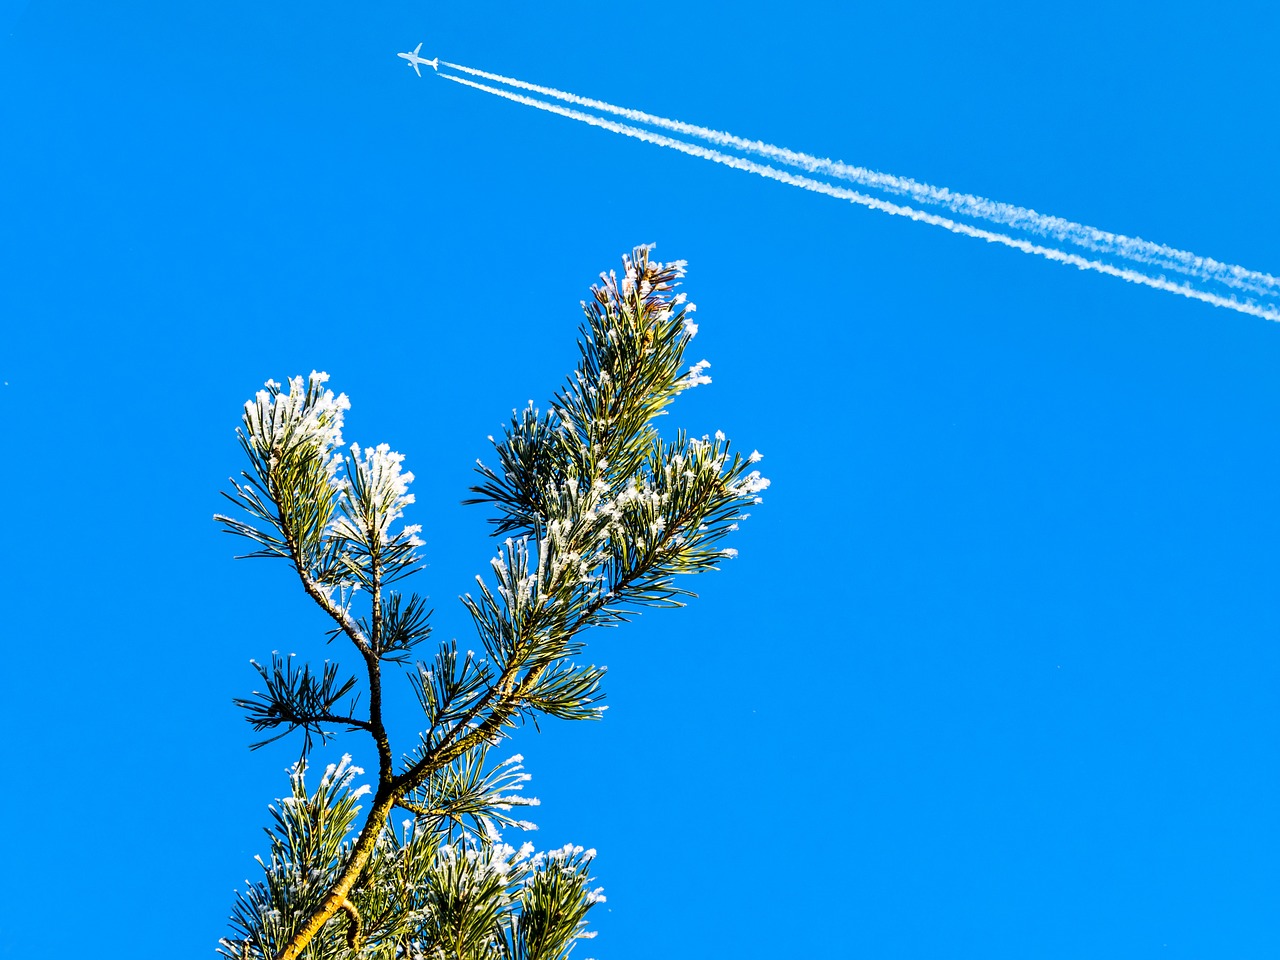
pixel 995 674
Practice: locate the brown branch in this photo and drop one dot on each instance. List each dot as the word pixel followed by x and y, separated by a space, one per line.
pixel 384 799
pixel 336 613
pixel 367 645
pixel 374 667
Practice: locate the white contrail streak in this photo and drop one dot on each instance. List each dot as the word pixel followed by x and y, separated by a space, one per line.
pixel 1021 218
pixel 817 186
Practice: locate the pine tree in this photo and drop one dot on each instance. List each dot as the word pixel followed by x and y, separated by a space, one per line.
pixel 597 514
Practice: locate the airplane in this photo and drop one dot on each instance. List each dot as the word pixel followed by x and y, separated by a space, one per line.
pixel 414 60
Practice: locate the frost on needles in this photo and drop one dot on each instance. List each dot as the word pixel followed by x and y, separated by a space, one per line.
pixel 595 513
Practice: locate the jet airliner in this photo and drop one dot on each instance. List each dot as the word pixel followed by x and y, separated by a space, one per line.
pixel 414 60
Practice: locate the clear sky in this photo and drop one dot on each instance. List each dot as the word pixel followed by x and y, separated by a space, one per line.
pixel 995 674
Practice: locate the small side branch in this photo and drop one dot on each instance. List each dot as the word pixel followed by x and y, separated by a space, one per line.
pixel 417 808
pixel 295 698
pixel 353 924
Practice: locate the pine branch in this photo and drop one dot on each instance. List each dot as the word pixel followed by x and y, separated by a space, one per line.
pixel 604 515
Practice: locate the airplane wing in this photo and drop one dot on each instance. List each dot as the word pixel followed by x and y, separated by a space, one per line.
pixel 415 69
pixel 417 49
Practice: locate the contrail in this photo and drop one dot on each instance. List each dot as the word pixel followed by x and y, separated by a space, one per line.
pixel 818 186
pixel 1090 238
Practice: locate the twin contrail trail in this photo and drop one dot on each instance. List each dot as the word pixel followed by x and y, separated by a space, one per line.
pixel 1138 253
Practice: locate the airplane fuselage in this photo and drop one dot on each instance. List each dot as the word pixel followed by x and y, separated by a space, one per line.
pixel 415 60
